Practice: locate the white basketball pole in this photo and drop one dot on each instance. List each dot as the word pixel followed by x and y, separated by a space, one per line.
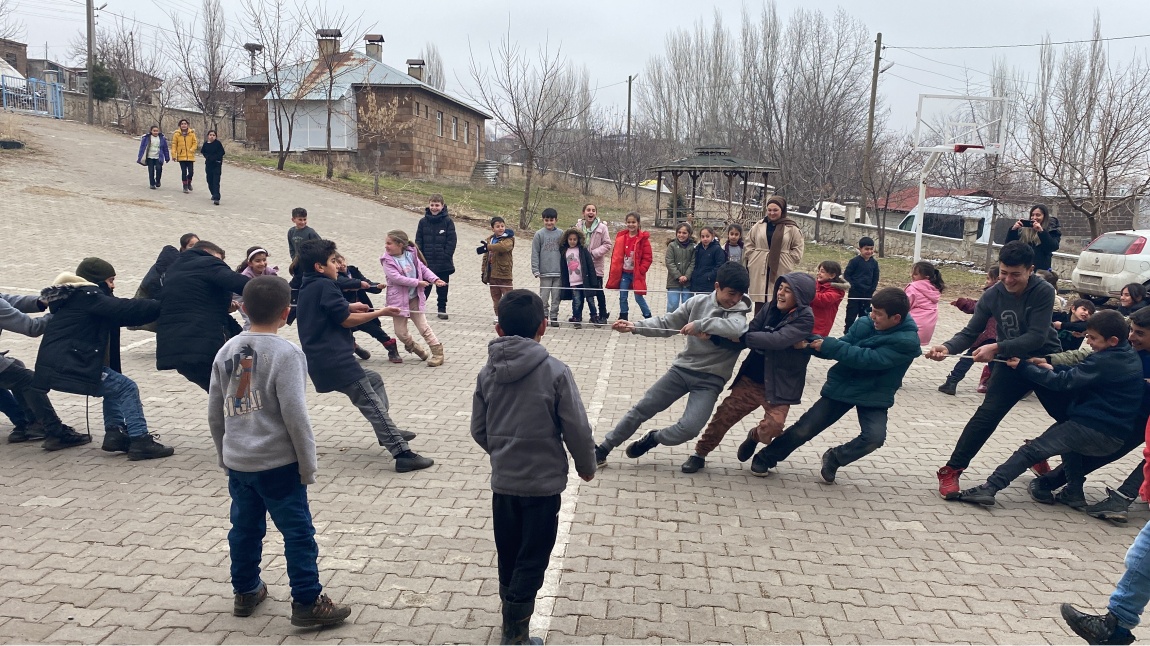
pixel 921 217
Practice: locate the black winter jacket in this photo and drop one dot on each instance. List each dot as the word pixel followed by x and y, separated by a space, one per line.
pixel 781 368
pixel 435 237
pixel 153 284
pixel 1105 390
pixel 355 278
pixel 590 279
pixel 84 334
pixel 213 153
pixel 707 263
pixel 194 319
pixel 1049 239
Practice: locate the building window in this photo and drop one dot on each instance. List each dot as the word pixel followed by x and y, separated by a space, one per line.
pixel 417 108
pixel 425 112
pixel 439 123
pixel 466 132
pixel 455 128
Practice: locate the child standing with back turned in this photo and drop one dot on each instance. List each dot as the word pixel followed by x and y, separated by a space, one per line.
pixel 257 414
pixel 526 408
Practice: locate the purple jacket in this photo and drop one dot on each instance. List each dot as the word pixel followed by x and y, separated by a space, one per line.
pixel 164 154
pixel 398 283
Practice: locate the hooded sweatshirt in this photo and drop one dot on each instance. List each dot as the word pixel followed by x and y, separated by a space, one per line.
pixel 772 335
pixel 1022 322
pixel 526 407
pixel 13 318
pixel 703 355
pixel 923 297
pixel 828 297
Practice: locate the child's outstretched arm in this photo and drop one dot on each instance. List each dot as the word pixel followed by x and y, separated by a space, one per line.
pixel 731 326
pixel 784 337
pixel 13 318
pixel 883 357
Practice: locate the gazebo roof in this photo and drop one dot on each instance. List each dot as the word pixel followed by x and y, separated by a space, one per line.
pixel 713 159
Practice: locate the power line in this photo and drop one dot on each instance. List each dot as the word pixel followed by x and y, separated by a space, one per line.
pixel 1061 42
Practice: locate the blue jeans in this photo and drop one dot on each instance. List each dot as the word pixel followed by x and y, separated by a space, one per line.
pixel 578 298
pixel 280 493
pixel 122 406
pixel 1129 599
pixel 625 283
pixel 701 390
pixel 12 409
pixel 676 296
pixel 820 417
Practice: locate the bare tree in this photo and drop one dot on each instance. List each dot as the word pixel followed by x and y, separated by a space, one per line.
pixel 203 58
pixel 380 124
pixel 894 167
pixel 433 67
pixel 1088 129
pixel 134 61
pixel 10 27
pixel 273 24
pixel 532 98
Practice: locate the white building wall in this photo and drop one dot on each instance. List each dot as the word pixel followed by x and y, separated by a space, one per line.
pixel 310 126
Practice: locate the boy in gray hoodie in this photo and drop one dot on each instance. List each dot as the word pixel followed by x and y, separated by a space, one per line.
pixel 526 407
pixel 257 414
pixel 700 371
pixel 545 259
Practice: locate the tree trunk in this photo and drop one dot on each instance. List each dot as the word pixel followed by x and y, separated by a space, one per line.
pixel 330 162
pixel 282 159
pixel 818 219
pixel 882 234
pixel 529 172
pixel 1092 220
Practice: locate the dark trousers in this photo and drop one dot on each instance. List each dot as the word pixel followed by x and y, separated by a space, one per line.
pixel 1069 439
pixel 855 309
pixel 374 329
pixel 1004 389
pixel 213 172
pixel 525 529
pixel 187 169
pixel 440 293
pixel 578 298
pixel 821 415
pixel 155 171
pixel 1135 439
pixel 18 379
pixel 12 409
pixel 601 299
pixel 198 374
pixel 277 492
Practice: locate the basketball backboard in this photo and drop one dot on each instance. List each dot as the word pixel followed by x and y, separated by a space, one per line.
pixel 959 124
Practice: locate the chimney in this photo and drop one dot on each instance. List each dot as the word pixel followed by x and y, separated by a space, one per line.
pixel 374 47
pixel 415 68
pixel 328 40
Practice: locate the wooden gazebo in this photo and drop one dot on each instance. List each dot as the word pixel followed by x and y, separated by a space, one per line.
pixel 708 159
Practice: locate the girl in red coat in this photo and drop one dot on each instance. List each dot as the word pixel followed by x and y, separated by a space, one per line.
pixel 630 259
pixel 829 292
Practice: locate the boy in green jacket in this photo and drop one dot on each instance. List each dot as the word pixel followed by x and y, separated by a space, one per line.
pixel 872 359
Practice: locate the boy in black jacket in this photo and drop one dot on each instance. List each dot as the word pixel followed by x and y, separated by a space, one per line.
pixel 862 274
pixel 80 354
pixel 1105 393
pixel 435 237
pixel 325 323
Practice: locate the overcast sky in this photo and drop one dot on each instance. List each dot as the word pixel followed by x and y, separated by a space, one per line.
pixel 614 38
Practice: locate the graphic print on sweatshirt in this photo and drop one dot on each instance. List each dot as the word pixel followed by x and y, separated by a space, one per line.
pixel 242 398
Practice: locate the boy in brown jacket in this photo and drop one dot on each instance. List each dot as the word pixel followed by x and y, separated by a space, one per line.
pixel 498 261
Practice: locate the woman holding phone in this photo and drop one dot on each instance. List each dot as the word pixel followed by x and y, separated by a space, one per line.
pixel 1041 232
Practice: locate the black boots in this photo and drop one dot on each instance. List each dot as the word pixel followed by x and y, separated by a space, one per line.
pixel 517 621
pixel 950 387
pixel 146 447
pixel 65 438
pixel 115 440
pixel 1095 629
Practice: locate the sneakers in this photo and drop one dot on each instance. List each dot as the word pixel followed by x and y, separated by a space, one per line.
pixel 948 482
pixel 26 433
pixel 553 323
pixel 245 604
pixel 646 443
pixel 1113 508
pixel 442 316
pixel 950 387
pixel 1039 492
pixel 1072 499
pixel 693 464
pixel 216 202
pixel 407 461
pixel 392 351
pixel 830 467
pixel 324 612
pixel 146 447
pixel 759 465
pixel 66 438
pixel 601 453
pixel 980 495
pixel 115 440
pixel 747 448
pixel 1096 629
pixel 362 353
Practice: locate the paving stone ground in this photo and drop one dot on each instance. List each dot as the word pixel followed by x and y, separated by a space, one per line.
pixel 97 549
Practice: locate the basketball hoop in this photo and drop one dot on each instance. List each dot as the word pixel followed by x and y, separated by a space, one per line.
pixel 961 148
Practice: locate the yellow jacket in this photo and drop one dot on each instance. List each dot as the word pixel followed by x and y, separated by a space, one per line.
pixel 183 146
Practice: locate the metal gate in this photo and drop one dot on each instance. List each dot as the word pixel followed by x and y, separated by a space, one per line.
pixel 32 95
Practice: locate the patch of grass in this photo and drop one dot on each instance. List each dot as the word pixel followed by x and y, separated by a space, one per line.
pixel 961 280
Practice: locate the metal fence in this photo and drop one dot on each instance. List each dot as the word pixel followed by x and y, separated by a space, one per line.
pixel 32 95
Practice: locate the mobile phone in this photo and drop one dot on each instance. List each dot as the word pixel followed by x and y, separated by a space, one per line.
pixel 1027 223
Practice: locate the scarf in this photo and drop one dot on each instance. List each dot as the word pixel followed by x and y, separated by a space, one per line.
pixel 588 230
pixel 776 247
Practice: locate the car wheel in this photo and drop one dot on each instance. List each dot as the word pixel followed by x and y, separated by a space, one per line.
pixel 1097 300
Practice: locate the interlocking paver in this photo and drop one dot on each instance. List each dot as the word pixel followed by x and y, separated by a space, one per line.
pixel 138 551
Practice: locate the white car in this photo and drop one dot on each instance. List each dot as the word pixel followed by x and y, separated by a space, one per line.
pixel 1111 262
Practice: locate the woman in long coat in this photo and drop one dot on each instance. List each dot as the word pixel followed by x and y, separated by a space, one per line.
pixel 774 247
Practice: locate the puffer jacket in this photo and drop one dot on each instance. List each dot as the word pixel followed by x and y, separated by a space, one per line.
pixel 784 369
pixel 923 307
pixel 680 261
pixel 828 296
pixel 708 259
pixel 194 319
pixel 643 255
pixel 184 147
pixel 435 237
pixel 84 334
pixel 871 363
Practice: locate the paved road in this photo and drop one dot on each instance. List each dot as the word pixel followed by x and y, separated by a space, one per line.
pixel 101 550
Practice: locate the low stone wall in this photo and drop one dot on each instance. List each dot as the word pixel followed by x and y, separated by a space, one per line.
pixel 110 113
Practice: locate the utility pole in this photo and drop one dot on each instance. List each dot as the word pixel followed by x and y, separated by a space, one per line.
pixel 91 7
pixel 630 161
pixel 869 151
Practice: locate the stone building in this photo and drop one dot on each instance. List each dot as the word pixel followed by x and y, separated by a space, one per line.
pixel 15 54
pixel 445 137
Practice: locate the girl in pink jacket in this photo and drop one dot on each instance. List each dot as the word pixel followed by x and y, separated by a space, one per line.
pixel 407 280
pixel 923 292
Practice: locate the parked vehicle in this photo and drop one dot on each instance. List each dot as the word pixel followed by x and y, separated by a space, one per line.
pixel 945 215
pixel 1112 261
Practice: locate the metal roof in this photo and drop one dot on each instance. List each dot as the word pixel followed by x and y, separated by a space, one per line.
pixel 714 159
pixel 307 81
